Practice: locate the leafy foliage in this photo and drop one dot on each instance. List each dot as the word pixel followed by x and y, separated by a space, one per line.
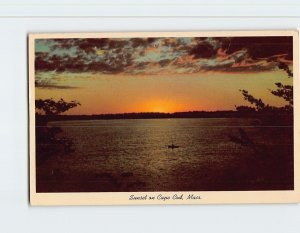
pixel 52 107
pixel 245 109
pixel 283 91
pixel 258 103
pixel 49 142
pixel 272 162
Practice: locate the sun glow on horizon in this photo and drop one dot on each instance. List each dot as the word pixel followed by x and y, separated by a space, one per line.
pixel 109 94
pixel 159 105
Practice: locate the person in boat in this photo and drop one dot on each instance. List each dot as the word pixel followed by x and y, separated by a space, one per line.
pixel 172 146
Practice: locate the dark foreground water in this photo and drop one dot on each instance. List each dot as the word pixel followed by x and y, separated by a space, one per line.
pixel 133 155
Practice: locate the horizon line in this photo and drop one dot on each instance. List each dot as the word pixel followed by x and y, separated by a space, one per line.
pixel 122 113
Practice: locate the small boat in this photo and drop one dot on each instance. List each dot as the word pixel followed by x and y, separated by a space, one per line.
pixel 172 146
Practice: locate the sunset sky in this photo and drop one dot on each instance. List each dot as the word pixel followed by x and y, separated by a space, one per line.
pixel 160 74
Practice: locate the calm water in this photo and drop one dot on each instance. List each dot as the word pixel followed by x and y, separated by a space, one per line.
pixel 133 155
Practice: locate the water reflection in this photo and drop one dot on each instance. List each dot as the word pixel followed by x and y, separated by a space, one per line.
pixel 133 155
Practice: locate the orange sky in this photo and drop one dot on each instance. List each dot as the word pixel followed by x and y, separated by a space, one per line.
pixel 119 93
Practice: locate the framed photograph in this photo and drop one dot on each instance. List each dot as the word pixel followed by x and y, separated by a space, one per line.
pixel 164 117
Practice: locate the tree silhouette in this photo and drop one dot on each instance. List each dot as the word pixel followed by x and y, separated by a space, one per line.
pixel 283 91
pixel 273 163
pixel 52 107
pixel 48 141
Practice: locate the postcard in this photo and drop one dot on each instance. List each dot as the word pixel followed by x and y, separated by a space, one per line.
pixel 164 118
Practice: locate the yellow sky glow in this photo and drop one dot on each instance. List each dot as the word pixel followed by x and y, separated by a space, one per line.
pixel 100 93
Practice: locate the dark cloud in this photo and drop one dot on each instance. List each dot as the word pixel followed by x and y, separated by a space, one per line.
pixel 87 45
pixel 164 62
pixel 41 62
pixel 205 47
pixel 59 63
pixel 229 67
pixel 203 50
pixel 257 47
pixel 260 47
pixel 113 56
pixel 143 42
pixel 48 85
pixel 142 65
pixel 81 56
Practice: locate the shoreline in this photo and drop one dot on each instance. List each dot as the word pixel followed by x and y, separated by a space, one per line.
pixel 150 115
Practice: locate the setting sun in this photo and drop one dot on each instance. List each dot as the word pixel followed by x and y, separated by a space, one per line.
pixel 159 105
